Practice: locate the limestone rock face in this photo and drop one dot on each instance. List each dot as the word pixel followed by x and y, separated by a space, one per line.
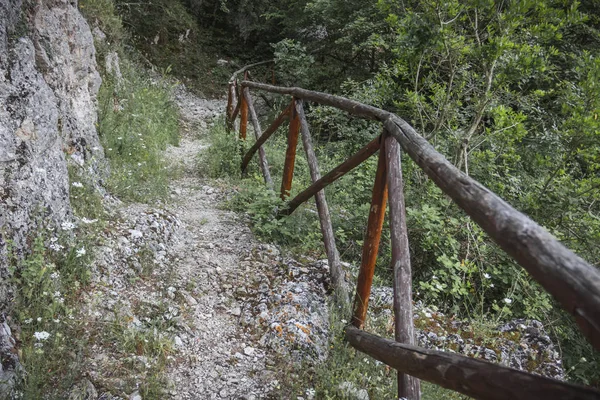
pixel 48 88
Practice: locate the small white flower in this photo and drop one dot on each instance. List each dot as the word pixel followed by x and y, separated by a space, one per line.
pixel 507 300
pixel 434 277
pixel 77 184
pixel 57 294
pixel 109 149
pixel 80 252
pixel 582 360
pixel 487 276
pixel 88 221
pixel 28 321
pixel 54 239
pixel 428 315
pixel 55 247
pixel 67 226
pixel 491 285
pixel 310 393
pixel 39 319
pixel 139 164
pixel 56 321
pixel 55 275
pixel 120 138
pixel 43 335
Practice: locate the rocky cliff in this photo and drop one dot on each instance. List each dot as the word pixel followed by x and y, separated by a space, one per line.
pixel 48 87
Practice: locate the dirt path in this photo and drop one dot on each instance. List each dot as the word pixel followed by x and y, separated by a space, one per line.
pixel 217 359
pixel 195 303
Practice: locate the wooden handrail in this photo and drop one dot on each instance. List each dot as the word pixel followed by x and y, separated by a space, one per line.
pixel 332 176
pixel 566 276
pixel 475 378
pixel 570 279
pixel 263 138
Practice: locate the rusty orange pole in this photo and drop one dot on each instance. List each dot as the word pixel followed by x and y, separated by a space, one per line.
pixel 290 154
pixel 243 117
pixel 371 244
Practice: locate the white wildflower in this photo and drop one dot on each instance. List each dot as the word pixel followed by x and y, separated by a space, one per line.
pixel 139 164
pixel 428 315
pixel 55 275
pixel 28 321
pixel 39 319
pixel 434 277
pixel 120 138
pixel 56 321
pixel 310 393
pixel 80 252
pixel 67 226
pixel 507 300
pixel 55 247
pixel 583 359
pixel 43 335
pixel 54 239
pixel 77 184
pixel 57 294
pixel 88 221
pixel 487 276
pixel 491 285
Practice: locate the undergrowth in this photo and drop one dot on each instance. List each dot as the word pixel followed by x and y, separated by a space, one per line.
pixel 136 116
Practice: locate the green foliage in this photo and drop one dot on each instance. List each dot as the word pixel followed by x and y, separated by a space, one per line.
pixel 224 158
pixel 293 64
pixel 48 280
pixel 169 36
pixel 137 120
pixel 136 117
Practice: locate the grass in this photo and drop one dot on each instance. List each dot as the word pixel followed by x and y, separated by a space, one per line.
pixel 137 120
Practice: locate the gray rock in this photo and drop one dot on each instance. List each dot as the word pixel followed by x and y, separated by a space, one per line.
pixel 352 392
pixel 84 390
pixel 48 88
pixel 135 396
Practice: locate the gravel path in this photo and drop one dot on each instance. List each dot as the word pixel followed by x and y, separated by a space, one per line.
pixel 218 359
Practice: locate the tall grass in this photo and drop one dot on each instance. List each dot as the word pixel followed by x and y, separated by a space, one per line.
pixel 137 120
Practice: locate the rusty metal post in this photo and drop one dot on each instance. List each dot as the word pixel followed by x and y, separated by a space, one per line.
pixel 290 154
pixel 371 244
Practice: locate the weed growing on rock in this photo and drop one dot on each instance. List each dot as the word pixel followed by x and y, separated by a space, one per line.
pixel 48 282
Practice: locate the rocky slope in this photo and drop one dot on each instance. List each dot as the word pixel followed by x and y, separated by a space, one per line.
pixel 48 86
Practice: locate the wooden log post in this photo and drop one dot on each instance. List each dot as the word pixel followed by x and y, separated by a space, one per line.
pixel 476 378
pixel 408 386
pixel 333 175
pixel 290 154
pixel 231 101
pixel 264 137
pixel 243 116
pixel 333 257
pixel 371 243
pixel 264 166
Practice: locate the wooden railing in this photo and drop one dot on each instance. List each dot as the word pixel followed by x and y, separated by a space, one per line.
pixel 570 279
